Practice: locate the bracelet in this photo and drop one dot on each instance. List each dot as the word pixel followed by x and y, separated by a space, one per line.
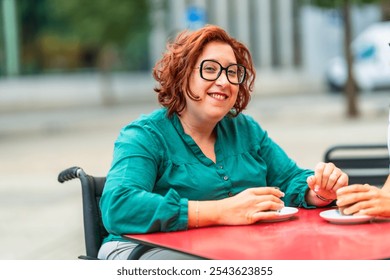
pixel 323 198
pixel 197 214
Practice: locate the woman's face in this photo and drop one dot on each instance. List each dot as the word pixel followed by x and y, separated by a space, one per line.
pixel 216 97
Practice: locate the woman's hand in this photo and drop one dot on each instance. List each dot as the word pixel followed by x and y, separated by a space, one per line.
pixel 364 199
pixel 247 207
pixel 251 205
pixel 327 179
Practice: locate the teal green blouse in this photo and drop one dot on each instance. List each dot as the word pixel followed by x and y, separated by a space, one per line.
pixel 157 168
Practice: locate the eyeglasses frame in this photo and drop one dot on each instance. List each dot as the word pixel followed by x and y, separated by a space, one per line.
pixel 220 71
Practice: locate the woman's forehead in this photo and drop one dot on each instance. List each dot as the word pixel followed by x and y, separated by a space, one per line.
pixel 219 51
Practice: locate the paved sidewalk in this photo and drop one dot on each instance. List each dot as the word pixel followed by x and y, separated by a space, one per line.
pixel 41 218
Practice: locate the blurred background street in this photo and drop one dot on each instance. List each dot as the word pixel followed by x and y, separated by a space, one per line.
pixel 72 75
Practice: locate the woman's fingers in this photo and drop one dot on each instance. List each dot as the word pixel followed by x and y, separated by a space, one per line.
pixel 342 181
pixel 267 210
pixel 257 203
pixel 311 181
pixel 267 190
pixel 318 173
pixel 328 177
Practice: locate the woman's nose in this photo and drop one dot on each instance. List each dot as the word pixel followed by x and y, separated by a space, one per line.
pixel 222 79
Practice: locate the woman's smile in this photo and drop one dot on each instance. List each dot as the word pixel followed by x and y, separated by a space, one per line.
pixel 218 96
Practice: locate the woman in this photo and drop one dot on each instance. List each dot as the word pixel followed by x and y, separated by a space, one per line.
pixel 199 161
pixel 365 199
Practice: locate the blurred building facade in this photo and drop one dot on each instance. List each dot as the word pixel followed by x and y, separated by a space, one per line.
pixel 283 35
pixel 269 28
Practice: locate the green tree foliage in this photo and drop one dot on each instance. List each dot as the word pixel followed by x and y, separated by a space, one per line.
pixel 73 34
pixel 101 21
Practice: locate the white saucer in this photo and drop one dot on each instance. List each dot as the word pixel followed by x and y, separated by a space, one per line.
pixel 284 214
pixel 335 217
pixel 382 219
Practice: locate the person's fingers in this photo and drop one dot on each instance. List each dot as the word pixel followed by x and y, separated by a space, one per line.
pixel 270 199
pixel 357 207
pixel 329 173
pixel 361 195
pixel 353 188
pixel 342 181
pixel 318 173
pixel 332 180
pixel 269 210
pixel 266 209
pixel 311 180
pixel 270 204
pixel 337 180
pixel 267 190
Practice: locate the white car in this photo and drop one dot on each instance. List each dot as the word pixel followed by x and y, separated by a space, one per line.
pixel 371 51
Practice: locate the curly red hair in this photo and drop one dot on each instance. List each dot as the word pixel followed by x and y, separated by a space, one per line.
pixel 173 70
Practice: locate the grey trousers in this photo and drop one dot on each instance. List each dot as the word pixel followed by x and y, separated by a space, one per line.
pixel 119 250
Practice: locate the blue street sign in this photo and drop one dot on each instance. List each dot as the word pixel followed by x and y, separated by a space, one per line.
pixel 196 17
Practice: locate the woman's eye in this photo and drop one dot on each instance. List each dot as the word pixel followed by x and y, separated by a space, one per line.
pixel 209 69
pixel 232 73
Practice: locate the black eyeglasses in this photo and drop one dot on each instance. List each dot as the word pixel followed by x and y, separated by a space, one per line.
pixel 210 70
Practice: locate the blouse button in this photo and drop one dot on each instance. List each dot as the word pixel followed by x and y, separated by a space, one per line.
pixel 226 178
pixel 220 167
pixel 230 194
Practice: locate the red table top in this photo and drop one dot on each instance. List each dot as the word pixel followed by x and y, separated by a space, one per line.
pixel 304 237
